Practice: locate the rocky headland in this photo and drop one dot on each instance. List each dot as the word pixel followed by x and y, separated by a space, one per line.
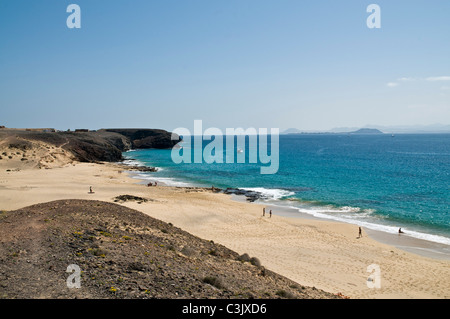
pixel 44 148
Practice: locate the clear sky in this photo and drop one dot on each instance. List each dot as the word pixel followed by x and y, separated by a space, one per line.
pixel 231 63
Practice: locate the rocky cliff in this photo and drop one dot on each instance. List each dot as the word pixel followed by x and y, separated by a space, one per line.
pixel 145 138
pixel 103 145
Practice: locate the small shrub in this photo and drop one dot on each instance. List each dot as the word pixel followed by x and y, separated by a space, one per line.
pixel 255 261
pixel 244 257
pixel 77 234
pixel 106 234
pixel 212 252
pixel 97 252
pixel 284 294
pixel 3 214
pixel 213 281
pixel 188 251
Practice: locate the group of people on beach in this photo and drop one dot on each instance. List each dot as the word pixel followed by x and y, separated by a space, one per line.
pixel 151 184
pixel 264 212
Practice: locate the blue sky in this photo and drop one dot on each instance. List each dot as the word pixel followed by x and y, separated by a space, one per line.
pixel 234 63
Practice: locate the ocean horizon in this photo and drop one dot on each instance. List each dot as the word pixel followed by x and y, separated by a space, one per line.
pixel 379 182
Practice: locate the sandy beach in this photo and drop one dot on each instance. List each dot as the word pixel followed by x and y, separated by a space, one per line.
pixel 323 254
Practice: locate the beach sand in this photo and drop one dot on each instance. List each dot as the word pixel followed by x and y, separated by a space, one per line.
pixel 324 254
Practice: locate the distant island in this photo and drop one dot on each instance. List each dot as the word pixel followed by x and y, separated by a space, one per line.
pixel 357 131
pixel 400 129
pixel 367 131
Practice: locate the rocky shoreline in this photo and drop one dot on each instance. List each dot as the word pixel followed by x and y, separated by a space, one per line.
pixel 251 196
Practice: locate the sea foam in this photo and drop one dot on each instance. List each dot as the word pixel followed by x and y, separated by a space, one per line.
pixel 365 218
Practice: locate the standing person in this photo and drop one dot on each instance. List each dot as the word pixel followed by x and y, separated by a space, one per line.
pixel 360 232
pixel 270 213
pixel 264 211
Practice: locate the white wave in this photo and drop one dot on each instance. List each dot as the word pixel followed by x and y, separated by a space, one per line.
pixel 171 182
pixel 167 181
pixel 133 162
pixel 358 219
pixel 333 209
pixel 271 193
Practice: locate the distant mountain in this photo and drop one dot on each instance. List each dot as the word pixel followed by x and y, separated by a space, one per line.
pixel 432 128
pixel 371 129
pixel 291 131
pixel 367 131
pixel 343 129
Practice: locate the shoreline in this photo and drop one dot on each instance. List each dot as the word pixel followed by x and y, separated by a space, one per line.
pixel 407 243
pixel 422 247
pixel 321 254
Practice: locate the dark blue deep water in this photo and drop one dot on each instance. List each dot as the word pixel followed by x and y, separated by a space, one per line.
pixel 377 181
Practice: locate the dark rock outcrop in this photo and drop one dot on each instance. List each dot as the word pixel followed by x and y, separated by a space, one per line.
pixel 96 146
pixel 146 138
pixel 92 146
pixel 250 195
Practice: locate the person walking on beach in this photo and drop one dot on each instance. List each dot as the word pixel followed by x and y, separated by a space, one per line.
pixel 264 211
pixel 360 232
pixel 90 190
pixel 270 214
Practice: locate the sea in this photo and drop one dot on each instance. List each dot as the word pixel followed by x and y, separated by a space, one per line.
pixel 381 182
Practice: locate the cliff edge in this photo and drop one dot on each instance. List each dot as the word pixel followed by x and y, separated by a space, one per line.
pixel 44 148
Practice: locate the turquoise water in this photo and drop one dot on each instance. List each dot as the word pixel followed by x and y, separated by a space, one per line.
pixel 376 181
